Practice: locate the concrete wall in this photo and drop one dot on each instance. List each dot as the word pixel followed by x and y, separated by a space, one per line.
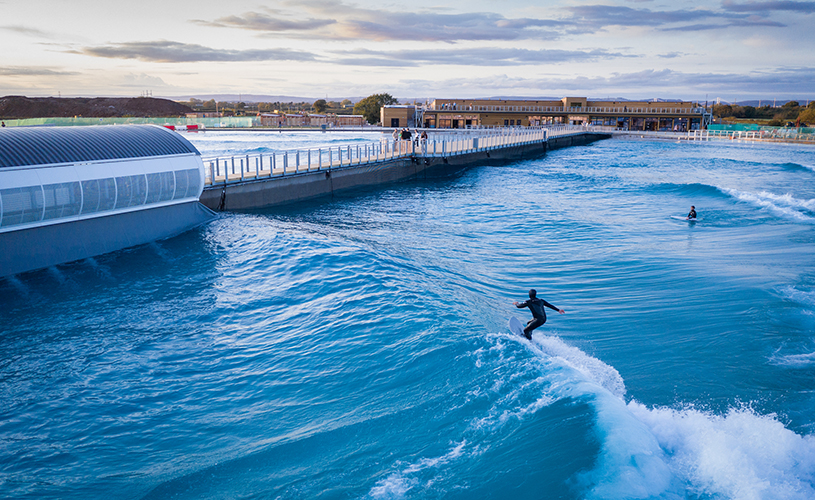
pixel 45 246
pixel 292 188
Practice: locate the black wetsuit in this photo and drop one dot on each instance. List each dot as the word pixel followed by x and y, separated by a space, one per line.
pixel 692 214
pixel 538 314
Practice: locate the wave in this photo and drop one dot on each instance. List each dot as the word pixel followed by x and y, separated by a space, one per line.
pixel 691 189
pixel 798 166
pixel 741 455
pixel 784 205
pixel 667 453
pixel 644 452
pixel 794 360
pixel 399 483
pixel 805 297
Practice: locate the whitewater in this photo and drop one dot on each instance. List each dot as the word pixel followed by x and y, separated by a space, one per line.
pixel 357 346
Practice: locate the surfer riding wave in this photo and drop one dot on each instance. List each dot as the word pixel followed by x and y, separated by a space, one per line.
pixel 535 306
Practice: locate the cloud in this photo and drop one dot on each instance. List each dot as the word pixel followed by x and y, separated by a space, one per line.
pixel 640 84
pixel 173 52
pixel 767 7
pixel 597 17
pixel 32 71
pixel 477 56
pixel 26 30
pixel 334 20
pixel 262 22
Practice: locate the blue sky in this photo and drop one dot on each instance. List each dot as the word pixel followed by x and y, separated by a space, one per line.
pixel 732 49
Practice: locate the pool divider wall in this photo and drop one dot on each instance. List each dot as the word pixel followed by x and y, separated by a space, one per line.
pixel 281 190
pixel 43 246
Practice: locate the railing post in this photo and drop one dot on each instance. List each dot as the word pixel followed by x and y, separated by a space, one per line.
pixel 211 173
pixel 309 160
pixel 297 162
pixel 241 160
pixel 285 162
pixel 233 165
pixel 319 158
pixel 226 171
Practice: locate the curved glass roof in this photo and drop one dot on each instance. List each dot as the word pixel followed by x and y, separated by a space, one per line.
pixel 24 146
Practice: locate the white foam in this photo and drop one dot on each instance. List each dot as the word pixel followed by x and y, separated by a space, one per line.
pixel 604 375
pixel 738 456
pixel 631 463
pixel 784 205
pixel 794 360
pixel 666 453
pixel 399 483
pixel 801 296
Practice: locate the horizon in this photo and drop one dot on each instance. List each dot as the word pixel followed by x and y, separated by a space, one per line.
pixel 732 50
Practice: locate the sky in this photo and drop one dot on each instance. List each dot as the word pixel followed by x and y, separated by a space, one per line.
pixel 635 49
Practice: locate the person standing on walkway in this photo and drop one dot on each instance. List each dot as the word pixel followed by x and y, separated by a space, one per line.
pixel 535 306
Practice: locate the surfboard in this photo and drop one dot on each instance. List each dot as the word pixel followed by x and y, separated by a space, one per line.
pixel 516 327
pixel 684 218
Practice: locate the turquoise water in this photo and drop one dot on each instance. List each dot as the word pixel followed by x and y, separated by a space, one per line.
pixel 357 347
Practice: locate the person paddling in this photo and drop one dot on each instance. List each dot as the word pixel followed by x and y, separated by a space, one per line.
pixel 692 214
pixel 535 306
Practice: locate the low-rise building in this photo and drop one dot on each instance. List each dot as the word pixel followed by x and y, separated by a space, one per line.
pixel 626 115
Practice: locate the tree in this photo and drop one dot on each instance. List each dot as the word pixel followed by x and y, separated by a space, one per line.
pixel 791 104
pixel 347 102
pixel 210 105
pixel 320 105
pixel 807 115
pixel 370 106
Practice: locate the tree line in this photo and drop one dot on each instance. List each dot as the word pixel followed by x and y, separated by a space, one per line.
pixel 789 112
pixel 368 107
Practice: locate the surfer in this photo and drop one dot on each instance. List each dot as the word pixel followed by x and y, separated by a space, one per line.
pixel 535 306
pixel 692 214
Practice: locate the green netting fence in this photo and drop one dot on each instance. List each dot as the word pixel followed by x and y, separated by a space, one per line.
pixel 225 122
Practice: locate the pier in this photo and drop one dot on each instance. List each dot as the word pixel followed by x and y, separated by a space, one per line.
pixel 253 181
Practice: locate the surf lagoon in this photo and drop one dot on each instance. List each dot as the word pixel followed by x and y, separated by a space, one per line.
pixel 357 347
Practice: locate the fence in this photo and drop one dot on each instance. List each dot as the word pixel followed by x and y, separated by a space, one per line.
pixel 224 122
pixel 240 168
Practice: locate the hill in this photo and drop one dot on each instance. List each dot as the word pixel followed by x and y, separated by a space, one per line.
pixel 96 107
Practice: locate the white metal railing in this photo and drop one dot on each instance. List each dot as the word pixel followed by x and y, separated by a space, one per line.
pixel 237 168
pixel 778 135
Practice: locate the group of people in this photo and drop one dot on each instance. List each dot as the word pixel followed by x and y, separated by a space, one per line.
pixel 405 135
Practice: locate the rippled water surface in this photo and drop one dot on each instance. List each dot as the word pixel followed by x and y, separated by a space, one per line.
pixel 356 347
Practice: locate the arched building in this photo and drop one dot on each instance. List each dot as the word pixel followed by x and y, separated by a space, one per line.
pixel 69 193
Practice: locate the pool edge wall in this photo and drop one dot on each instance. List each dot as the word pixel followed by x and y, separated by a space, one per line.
pixel 48 245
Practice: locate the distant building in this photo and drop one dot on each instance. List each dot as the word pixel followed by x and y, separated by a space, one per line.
pixel 313 120
pixel 625 115
pixel 207 114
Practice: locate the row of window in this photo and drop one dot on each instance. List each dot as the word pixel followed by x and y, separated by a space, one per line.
pixel 54 201
pixel 576 109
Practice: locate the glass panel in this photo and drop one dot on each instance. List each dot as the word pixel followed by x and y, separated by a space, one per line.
pixel 107 194
pixel 153 188
pixel 21 205
pixel 139 190
pixel 194 177
pixel 124 191
pixel 181 184
pixel 62 200
pixel 130 191
pixel 90 193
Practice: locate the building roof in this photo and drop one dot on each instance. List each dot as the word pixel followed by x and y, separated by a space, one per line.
pixel 25 146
